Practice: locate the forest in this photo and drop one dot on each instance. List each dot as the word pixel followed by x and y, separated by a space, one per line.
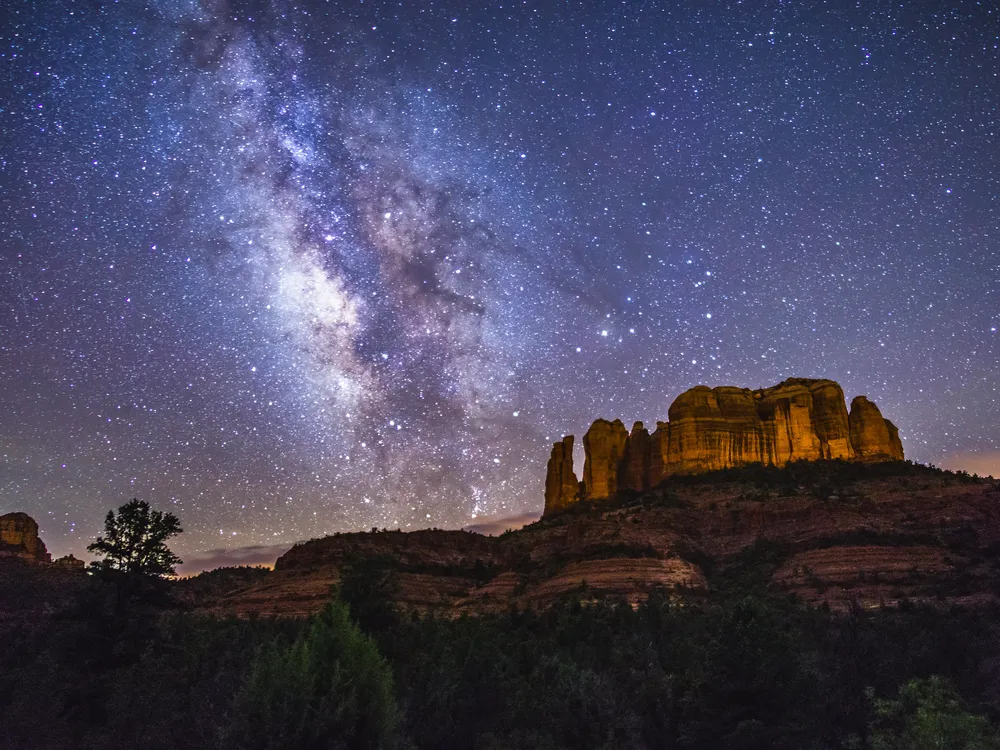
pixel 741 669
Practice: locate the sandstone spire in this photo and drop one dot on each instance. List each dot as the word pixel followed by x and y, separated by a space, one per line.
pixel 786 413
pixel 831 420
pixel 562 488
pixel 659 447
pixel 874 438
pixel 713 428
pixel 604 447
pixel 718 428
pixel 635 463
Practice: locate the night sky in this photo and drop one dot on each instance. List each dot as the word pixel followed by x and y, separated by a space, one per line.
pixel 286 269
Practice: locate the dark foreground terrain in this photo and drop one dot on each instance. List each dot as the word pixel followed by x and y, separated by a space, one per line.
pixel 820 609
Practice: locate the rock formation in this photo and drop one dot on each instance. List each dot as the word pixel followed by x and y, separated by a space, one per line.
pixel 712 428
pixel 659 454
pixel 719 428
pixel 635 462
pixel 561 485
pixel 831 421
pixel 786 415
pixel 874 438
pixel 70 562
pixel 19 538
pixel 910 533
pixel 604 448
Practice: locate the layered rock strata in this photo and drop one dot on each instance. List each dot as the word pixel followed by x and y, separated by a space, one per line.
pixel 724 427
pixel 895 533
pixel 19 539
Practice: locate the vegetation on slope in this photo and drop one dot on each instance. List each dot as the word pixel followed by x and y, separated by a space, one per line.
pixel 740 667
pixel 739 671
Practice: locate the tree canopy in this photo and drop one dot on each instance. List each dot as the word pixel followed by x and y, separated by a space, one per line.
pixel 134 541
pixel 328 689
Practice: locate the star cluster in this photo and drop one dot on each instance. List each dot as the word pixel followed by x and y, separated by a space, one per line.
pixel 293 268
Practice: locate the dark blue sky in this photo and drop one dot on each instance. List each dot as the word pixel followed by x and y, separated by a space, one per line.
pixel 287 269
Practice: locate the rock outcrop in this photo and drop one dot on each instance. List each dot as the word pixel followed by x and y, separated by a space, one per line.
pixel 19 538
pixel 604 448
pixel 635 462
pixel 712 428
pixel 562 488
pixel 659 454
pixel 874 438
pixel 724 427
pixel 831 421
pixel 70 562
pixel 873 533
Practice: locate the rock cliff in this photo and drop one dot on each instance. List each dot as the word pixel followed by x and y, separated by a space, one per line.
pixel 874 438
pixel 19 538
pixel 636 460
pixel 725 427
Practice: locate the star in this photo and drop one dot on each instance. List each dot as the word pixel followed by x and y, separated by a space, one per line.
pixel 326 280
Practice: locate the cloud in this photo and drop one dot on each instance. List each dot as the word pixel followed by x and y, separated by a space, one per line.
pixel 984 463
pixel 500 525
pixel 258 554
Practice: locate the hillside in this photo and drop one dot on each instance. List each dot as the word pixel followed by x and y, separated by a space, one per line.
pixel 826 531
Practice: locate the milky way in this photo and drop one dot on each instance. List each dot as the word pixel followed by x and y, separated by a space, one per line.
pixel 289 269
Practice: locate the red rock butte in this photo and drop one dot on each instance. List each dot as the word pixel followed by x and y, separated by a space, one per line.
pixel 19 538
pixel 721 428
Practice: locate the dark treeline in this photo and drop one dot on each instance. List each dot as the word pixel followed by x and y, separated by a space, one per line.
pixel 744 670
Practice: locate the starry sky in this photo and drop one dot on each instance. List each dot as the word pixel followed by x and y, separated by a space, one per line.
pixel 286 269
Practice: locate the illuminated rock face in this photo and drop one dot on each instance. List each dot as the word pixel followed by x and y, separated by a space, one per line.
pixel 604 448
pixel 659 454
pixel 561 485
pixel 19 537
pixel 831 421
pixel 712 428
pixel 719 428
pixel 635 462
pixel 874 438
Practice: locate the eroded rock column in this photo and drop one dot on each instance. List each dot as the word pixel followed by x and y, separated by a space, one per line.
pixel 659 454
pixel 635 464
pixel 786 411
pixel 874 438
pixel 19 535
pixel 562 488
pixel 831 420
pixel 604 448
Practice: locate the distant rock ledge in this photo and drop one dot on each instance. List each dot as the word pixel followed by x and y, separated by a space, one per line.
pixel 720 428
pixel 19 538
pixel 19 541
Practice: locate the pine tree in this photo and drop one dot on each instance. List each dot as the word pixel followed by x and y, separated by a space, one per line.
pixel 134 541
